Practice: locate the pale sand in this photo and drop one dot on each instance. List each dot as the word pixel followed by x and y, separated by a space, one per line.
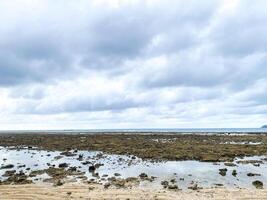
pixel 83 191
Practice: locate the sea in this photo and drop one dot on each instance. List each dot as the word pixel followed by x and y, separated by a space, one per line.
pixel 146 131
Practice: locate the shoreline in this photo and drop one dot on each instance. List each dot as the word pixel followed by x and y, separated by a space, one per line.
pixel 95 192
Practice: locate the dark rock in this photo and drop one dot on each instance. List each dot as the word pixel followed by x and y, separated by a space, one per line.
pixel 252 174
pixel 165 184
pixel 92 168
pixel 234 173
pixel 63 165
pixel 9 173
pixel 9 166
pixel 143 175
pixel 223 171
pixel 172 187
pixel 258 184
pixel 230 164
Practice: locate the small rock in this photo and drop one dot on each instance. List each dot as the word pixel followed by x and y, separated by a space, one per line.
pixel 257 184
pixel 222 172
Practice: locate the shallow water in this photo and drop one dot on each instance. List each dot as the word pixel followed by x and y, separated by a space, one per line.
pixel 206 174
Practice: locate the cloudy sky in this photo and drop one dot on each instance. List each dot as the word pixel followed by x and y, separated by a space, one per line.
pixel 133 64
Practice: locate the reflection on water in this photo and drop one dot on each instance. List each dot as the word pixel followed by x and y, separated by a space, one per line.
pixel 184 172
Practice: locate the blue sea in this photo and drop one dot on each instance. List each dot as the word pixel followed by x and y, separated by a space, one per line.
pixel 146 130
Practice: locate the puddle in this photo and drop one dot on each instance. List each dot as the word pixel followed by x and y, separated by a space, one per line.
pixel 205 174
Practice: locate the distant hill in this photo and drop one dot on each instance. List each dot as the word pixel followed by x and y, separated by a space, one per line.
pixel 265 126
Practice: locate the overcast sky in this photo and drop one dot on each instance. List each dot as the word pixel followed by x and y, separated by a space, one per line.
pixel 133 64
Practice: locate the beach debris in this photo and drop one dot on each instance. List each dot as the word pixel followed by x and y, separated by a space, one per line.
pixel 258 184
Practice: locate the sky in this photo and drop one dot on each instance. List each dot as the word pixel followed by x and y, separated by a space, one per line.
pixel 97 64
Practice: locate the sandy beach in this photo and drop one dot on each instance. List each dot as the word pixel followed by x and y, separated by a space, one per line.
pixel 84 191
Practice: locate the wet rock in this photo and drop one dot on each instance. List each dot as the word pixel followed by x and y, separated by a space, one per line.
pixel 18 179
pixel 97 165
pixel 67 153
pixel 143 175
pixel 104 175
pixel 252 174
pixel 218 184
pixel 228 164
pixel 250 162
pixel 258 184
pixel 92 168
pixel 9 173
pixel 58 183
pixel 86 162
pixel 107 185
pixel 63 165
pixel 165 184
pixel 117 174
pixel 223 171
pixel 58 157
pixel 73 169
pixel 173 187
pixel 36 172
pixel 194 187
pixel 234 173
pixel 8 166
pixel 173 181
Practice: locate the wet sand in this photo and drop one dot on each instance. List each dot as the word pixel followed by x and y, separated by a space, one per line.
pixel 85 191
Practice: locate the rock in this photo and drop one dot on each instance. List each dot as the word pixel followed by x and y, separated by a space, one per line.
pixel 143 175
pixel 252 174
pixel 258 184
pixel 58 157
pixel 67 153
pixel 234 173
pixel 165 184
pixel 92 168
pixel 117 174
pixel 173 181
pixel 223 171
pixel 250 162
pixel 63 165
pixel 230 164
pixel 194 187
pixel 86 162
pixel 107 185
pixel 21 166
pixel 9 173
pixel 58 183
pixel 172 187
pixel 8 166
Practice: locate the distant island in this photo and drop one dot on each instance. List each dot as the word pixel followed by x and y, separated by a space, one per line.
pixel 265 126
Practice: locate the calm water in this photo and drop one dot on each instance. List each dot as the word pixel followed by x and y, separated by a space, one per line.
pixel 184 172
pixel 129 131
